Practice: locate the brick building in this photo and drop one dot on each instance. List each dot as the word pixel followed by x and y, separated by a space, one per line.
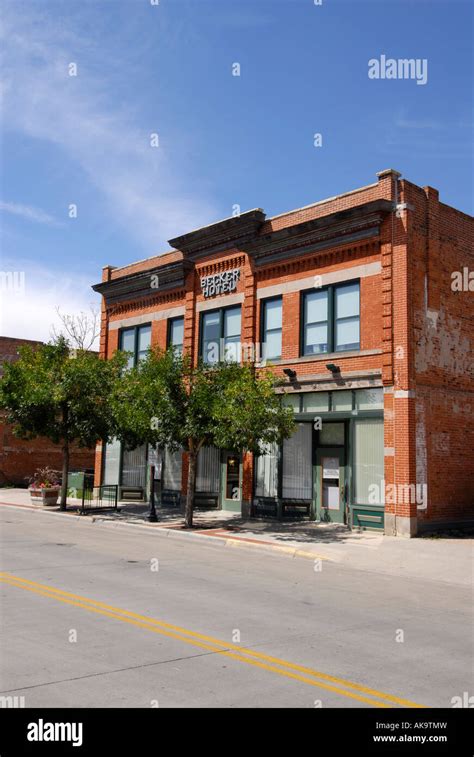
pixel 353 300
pixel 20 458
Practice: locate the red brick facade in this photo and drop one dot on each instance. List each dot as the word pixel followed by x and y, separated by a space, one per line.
pixel 403 245
pixel 19 458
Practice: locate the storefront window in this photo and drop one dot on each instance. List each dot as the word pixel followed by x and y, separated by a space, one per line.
pixel 134 467
pixel 173 463
pixel 208 470
pixel 266 475
pixel 297 467
pixel 315 402
pixel 112 462
pixel 292 400
pixel 368 469
pixel 369 399
pixel 342 401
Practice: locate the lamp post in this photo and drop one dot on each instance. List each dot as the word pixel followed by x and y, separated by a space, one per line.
pixel 152 516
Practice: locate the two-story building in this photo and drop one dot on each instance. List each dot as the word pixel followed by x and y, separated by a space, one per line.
pixel 354 302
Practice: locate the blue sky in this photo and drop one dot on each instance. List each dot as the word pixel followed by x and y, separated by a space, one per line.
pixel 223 140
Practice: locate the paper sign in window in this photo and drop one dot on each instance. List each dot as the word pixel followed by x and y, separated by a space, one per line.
pixel 330 467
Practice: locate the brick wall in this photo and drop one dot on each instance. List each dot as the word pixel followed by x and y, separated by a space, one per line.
pixel 415 331
pixel 19 458
pixel 441 242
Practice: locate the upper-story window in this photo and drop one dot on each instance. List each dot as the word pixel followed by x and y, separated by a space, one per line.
pixel 176 334
pixel 331 319
pixel 347 317
pixel 220 335
pixel 271 328
pixel 135 340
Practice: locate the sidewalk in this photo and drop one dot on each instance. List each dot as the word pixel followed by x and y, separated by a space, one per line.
pixel 449 560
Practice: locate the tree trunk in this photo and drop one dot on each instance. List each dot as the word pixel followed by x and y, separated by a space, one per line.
pixel 62 504
pixel 188 513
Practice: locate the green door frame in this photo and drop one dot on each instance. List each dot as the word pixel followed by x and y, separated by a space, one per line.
pixel 329 515
pixel 232 505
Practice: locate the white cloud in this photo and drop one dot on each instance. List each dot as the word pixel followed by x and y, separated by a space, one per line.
pixel 29 213
pixel 142 186
pixel 30 297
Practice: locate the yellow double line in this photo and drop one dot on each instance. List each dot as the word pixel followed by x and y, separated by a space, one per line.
pixel 234 651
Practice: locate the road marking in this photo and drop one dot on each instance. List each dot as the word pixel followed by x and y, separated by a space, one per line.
pixel 234 651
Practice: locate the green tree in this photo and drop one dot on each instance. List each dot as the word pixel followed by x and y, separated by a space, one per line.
pixel 60 394
pixel 165 401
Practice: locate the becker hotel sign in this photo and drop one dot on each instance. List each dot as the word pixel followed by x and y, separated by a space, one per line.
pixel 220 283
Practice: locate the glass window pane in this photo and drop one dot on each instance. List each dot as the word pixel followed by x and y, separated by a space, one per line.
pixel 232 349
pixel 173 462
pixel 211 324
pixel 292 400
pixel 316 339
pixel 314 402
pixel 210 352
pixel 211 328
pixel 266 475
pixel 134 466
pixel 342 400
pixel 347 334
pixel 272 345
pixel 331 434
pixel 112 462
pixel 273 313
pixel 316 307
pixel 208 470
pixel 144 338
pixel 232 322
pixel 347 300
pixel 127 341
pixel 297 468
pixel 177 332
pixel 369 399
pixel 368 462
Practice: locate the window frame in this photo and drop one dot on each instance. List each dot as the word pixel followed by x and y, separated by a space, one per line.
pixel 221 312
pixel 263 328
pixel 135 330
pixel 331 321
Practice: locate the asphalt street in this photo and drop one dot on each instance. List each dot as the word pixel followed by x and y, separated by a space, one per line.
pixel 97 616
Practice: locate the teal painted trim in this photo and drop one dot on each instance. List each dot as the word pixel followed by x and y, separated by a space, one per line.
pixel 368 517
pixel 338 416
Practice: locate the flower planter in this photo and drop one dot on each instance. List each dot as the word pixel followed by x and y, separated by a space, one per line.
pixel 47 496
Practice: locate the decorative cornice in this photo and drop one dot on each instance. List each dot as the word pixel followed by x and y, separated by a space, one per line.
pixel 143 284
pixel 343 227
pixel 232 232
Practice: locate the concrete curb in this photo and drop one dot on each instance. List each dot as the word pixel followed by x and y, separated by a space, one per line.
pixel 163 531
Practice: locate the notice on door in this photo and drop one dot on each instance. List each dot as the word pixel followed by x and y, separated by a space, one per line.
pixel 330 467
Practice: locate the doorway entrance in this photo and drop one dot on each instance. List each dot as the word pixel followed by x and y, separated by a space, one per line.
pixel 231 481
pixel 330 485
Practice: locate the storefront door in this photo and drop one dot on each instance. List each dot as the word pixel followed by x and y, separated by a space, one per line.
pixel 330 485
pixel 231 482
